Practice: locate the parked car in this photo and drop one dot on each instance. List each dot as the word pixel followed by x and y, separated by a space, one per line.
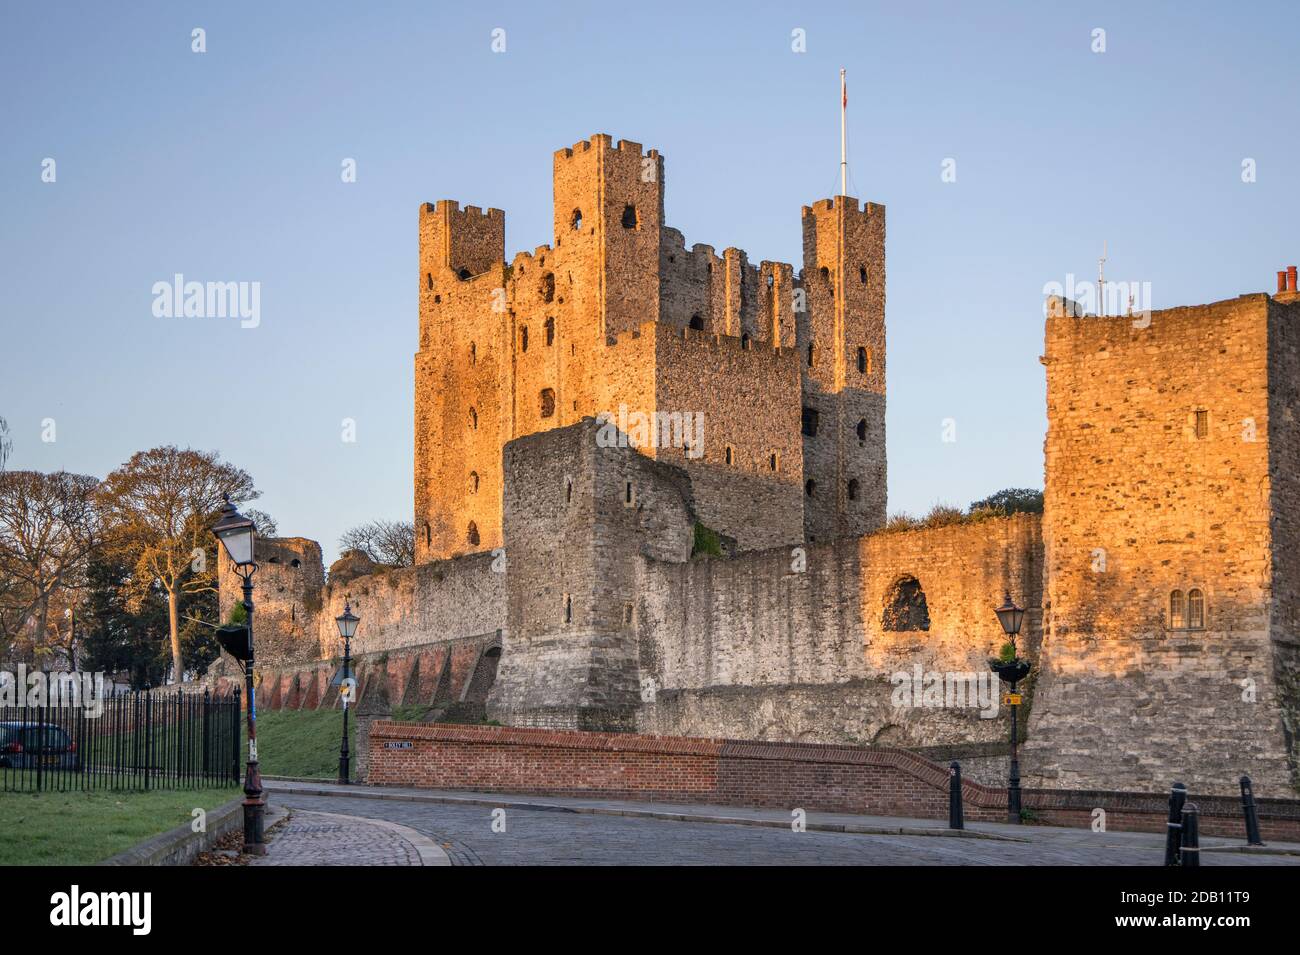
pixel 29 745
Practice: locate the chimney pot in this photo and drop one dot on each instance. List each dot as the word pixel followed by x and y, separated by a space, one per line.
pixel 1281 281
pixel 1290 278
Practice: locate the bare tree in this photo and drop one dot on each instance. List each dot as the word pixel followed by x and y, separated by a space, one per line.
pixel 49 524
pixel 384 542
pixel 6 443
pixel 161 505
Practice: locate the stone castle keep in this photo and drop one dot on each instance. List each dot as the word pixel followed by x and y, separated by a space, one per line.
pixel 559 579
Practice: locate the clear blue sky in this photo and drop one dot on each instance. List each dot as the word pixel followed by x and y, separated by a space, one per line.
pixel 226 166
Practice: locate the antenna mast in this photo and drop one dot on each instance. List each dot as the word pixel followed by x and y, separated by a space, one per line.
pixel 844 151
pixel 1101 281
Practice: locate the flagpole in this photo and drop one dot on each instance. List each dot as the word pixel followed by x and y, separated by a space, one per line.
pixel 844 152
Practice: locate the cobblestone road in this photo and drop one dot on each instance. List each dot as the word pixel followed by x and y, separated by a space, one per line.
pixel 315 838
pixel 539 837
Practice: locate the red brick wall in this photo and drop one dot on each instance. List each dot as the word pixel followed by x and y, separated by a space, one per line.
pixel 875 781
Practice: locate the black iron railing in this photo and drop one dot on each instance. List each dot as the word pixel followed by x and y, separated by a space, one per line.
pixel 136 741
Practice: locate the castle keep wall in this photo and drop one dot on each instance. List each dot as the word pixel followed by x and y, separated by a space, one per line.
pixel 619 314
pixel 1141 503
pixel 748 394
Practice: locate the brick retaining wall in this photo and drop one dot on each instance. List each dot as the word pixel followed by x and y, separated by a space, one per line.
pixel 876 781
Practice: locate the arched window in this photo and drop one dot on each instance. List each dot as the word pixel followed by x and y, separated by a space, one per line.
pixel 523 338
pixel 568 490
pixel 862 274
pixel 862 430
pixel 547 287
pixel 810 354
pixel 730 455
pixel 853 489
pixel 744 340
pixel 548 402
pixel 575 220
pixel 862 360
pixel 1177 611
pixel 905 606
pixel 773 461
pixel 473 353
pixel 473 420
pixel 697 323
pixel 568 609
pixel 810 487
pixel 471 534
pixel 473 482
pixel 1195 609
pixel 429 278
pixel 629 216
pixel 428 535
pixel 825 273
pixel 550 332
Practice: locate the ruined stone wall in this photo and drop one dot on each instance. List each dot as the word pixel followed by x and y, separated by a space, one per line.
pixel 793 644
pixel 286 598
pixel 408 606
pixel 576 517
pixel 1140 503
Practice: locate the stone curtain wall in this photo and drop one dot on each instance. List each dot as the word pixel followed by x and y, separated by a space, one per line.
pixel 287 598
pixel 1138 504
pixel 755 647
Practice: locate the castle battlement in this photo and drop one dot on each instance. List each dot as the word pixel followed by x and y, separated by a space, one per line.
pixel 605 141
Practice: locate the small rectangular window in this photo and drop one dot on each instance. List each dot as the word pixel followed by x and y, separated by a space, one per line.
pixel 810 422
pixel 1202 424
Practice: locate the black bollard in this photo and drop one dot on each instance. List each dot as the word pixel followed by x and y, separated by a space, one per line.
pixel 1189 854
pixel 954 797
pixel 1173 834
pixel 1252 814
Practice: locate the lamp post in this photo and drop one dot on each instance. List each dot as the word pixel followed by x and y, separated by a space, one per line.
pixel 1012 671
pixel 237 535
pixel 347 627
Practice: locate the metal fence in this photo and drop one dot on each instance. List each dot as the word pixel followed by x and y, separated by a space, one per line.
pixel 139 741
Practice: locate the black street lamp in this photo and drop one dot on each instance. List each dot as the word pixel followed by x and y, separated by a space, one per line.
pixel 347 627
pixel 237 535
pixel 1012 671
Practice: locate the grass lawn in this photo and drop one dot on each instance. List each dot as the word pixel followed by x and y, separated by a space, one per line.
pixel 301 742
pixel 78 828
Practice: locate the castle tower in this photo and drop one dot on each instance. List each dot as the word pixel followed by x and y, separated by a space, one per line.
pixel 608 211
pixel 841 340
pixel 1170 637
pixel 460 410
